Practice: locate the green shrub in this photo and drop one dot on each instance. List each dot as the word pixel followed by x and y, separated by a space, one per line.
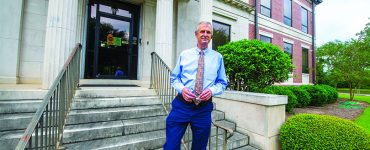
pixel 252 65
pixel 332 93
pixel 282 90
pixel 310 131
pixel 303 97
pixel 319 96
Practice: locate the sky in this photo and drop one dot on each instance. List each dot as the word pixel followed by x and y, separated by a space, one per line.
pixel 340 19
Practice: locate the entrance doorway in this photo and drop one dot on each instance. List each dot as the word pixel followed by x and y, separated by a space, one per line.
pixel 112 40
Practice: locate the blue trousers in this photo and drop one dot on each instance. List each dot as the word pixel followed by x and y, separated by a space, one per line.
pixel 181 115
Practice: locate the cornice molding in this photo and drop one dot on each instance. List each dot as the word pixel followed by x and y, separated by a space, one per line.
pixel 239 4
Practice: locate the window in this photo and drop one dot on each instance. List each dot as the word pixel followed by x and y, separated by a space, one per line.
pixel 266 8
pixel 305 68
pixel 221 34
pixel 265 39
pixel 304 16
pixel 288 12
pixel 288 49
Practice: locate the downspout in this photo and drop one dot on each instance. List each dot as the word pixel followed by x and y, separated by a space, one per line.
pixel 314 3
pixel 313 43
pixel 256 19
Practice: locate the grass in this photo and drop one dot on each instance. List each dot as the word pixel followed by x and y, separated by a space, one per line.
pixel 357 91
pixel 364 119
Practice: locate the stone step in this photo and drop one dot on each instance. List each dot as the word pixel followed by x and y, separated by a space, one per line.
pixel 15 121
pixel 146 140
pixel 111 114
pixel 17 106
pixel 113 82
pixel 248 147
pixel 16 94
pixel 10 139
pixel 89 103
pixel 236 141
pixel 92 92
pixel 86 132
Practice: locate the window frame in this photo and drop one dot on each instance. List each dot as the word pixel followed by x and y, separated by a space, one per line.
pixel 288 18
pixel 285 50
pixel 266 8
pixel 304 26
pixel 265 37
pixel 225 24
pixel 305 69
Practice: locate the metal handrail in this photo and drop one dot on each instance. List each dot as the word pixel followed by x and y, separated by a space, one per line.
pixel 46 128
pixel 159 81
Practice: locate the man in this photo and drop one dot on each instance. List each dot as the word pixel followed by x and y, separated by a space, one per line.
pixel 198 75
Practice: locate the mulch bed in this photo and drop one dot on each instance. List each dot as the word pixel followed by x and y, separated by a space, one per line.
pixel 333 109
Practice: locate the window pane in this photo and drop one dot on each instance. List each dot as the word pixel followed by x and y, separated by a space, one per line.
pixel 288 49
pixel 304 16
pixel 288 12
pixel 305 68
pixel 266 3
pixel 114 11
pixel 265 39
pixel 265 11
pixel 221 34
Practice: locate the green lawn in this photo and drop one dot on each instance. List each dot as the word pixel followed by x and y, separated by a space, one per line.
pixel 358 91
pixel 364 119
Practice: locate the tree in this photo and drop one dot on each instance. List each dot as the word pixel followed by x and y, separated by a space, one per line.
pixel 252 65
pixel 347 61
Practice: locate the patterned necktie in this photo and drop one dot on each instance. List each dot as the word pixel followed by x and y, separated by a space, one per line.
pixel 199 80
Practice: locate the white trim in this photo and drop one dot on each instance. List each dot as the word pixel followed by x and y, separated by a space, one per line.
pixel 305 46
pixel 288 41
pixel 223 13
pixel 303 5
pixel 264 33
pixel 278 27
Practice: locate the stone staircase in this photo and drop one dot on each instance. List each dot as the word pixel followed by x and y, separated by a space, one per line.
pixel 17 108
pixel 126 118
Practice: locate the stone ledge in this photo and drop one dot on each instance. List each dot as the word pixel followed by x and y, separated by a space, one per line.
pixel 255 98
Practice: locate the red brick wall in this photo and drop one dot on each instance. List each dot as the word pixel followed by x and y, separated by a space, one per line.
pixel 277 10
pixel 297 52
pixel 251 31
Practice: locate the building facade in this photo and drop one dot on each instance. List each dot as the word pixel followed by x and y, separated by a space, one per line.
pixel 118 36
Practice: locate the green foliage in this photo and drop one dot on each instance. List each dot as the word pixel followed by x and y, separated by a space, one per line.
pixel 283 90
pixel 319 96
pixel 310 131
pixel 332 93
pixel 345 61
pixel 303 97
pixel 252 65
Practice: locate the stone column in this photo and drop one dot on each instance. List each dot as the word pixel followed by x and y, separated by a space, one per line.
pixel 10 39
pixel 163 31
pixel 205 7
pixel 60 37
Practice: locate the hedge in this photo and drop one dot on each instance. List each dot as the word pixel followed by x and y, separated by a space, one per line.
pixel 311 131
pixel 303 97
pixel 332 93
pixel 318 94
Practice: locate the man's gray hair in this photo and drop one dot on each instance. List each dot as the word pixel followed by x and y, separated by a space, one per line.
pixel 203 23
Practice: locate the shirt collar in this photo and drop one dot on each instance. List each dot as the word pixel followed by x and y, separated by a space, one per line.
pixel 197 50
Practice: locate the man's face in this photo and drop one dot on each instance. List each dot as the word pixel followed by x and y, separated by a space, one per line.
pixel 204 34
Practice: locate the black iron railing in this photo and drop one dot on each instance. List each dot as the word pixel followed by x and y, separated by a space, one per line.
pixel 160 82
pixel 46 128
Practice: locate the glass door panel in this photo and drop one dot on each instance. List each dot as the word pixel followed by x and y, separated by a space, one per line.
pixel 113 48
